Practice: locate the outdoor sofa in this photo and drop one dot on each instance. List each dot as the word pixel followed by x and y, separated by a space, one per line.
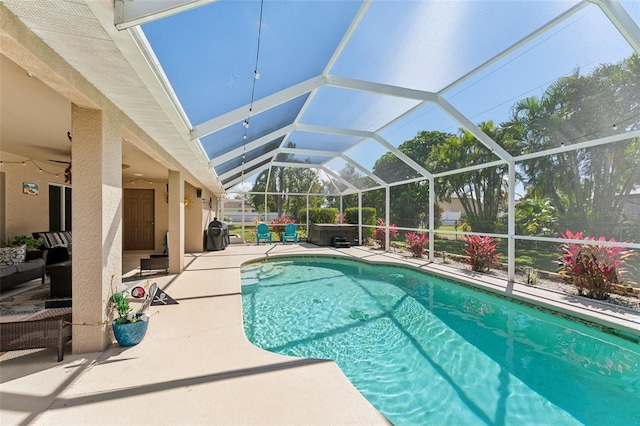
pixel 20 266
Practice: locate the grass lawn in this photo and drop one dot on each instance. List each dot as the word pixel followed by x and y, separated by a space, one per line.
pixel 542 259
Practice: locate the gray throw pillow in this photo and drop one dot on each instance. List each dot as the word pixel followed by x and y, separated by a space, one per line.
pixel 12 255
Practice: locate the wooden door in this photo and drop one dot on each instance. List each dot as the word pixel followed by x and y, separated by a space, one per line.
pixel 138 218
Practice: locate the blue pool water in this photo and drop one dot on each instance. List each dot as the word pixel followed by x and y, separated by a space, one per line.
pixel 426 351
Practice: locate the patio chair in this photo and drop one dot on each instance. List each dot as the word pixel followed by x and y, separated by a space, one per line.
pixel 290 233
pixel 263 233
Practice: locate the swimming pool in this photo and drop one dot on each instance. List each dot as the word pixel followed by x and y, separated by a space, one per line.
pixel 426 351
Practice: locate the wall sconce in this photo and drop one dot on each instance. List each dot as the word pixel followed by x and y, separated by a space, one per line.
pixel 198 192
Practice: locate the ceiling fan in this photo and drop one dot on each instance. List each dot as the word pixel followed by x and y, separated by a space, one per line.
pixel 67 171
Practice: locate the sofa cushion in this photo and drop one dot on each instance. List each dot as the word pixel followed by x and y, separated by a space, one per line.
pixel 12 255
pixel 28 266
pixel 6 271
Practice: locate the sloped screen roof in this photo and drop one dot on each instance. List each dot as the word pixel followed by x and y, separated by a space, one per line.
pixel 342 85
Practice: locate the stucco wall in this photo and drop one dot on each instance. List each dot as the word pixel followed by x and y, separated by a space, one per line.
pixel 197 216
pixel 25 213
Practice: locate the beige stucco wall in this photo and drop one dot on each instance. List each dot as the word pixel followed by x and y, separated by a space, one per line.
pixel 24 213
pixel 197 216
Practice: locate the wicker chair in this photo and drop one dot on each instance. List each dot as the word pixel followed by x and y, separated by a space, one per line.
pixel 53 332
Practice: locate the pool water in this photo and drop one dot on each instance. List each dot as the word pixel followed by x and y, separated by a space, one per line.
pixel 426 351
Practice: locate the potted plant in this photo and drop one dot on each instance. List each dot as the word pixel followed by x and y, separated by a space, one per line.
pixel 30 242
pixel 129 328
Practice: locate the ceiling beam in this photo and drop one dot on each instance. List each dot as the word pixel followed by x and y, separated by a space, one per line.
pixel 261 105
pixel 474 130
pixel 382 89
pixel 622 21
pixel 402 156
pixel 250 146
pixel 362 169
pixel 316 152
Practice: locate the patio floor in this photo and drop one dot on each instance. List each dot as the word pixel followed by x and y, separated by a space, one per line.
pixel 196 367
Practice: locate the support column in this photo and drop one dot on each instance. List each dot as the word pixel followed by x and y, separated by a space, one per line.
pixel 360 218
pixel 432 219
pixel 97 224
pixel 176 222
pixel 387 216
pixel 511 224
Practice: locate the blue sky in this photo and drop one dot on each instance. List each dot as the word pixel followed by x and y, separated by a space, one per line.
pixel 209 56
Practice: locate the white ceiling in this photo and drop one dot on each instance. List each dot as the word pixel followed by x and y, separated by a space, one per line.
pixel 35 122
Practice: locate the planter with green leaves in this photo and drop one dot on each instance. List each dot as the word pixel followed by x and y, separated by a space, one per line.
pixel 20 240
pixel 129 328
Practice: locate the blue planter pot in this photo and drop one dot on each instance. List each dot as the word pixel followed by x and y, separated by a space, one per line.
pixel 130 334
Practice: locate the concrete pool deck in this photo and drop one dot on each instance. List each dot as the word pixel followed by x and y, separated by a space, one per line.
pixel 196 367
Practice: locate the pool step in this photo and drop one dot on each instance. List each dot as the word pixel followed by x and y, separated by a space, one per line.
pixel 253 274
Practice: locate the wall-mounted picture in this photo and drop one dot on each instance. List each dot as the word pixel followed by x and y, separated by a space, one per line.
pixel 29 188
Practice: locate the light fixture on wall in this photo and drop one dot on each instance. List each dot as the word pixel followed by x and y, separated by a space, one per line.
pixel 199 192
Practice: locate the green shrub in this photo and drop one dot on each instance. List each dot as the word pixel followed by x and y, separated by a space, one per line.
pixel 368 218
pixel 320 215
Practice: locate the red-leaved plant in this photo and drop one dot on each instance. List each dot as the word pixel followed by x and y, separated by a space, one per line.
pixel 380 234
pixel 277 224
pixel 481 251
pixel 593 268
pixel 417 243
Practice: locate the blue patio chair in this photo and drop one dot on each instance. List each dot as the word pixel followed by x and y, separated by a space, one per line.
pixel 263 233
pixel 290 233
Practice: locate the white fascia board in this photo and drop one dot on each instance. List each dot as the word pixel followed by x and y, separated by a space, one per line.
pixel 261 105
pixel 622 21
pixel 402 156
pixel 474 130
pixel 140 39
pixel 129 13
pixel 383 89
pixel 230 155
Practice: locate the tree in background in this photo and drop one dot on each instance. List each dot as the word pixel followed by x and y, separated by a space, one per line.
pixel 410 202
pixel 284 181
pixel 480 191
pixel 589 185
